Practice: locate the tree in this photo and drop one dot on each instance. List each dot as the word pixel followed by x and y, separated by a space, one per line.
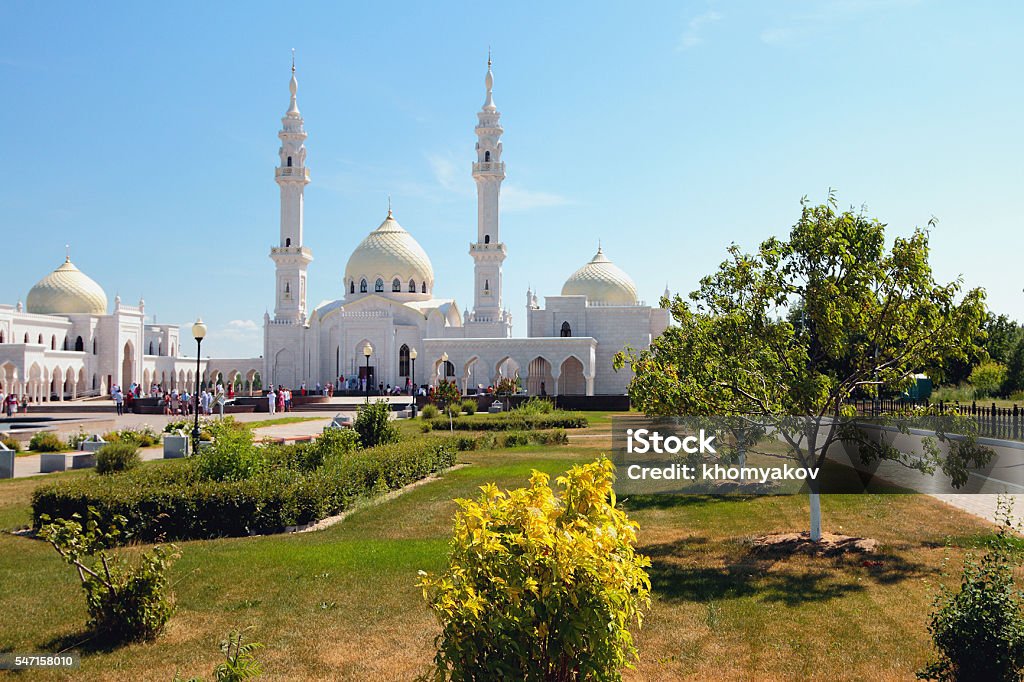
pixel 987 378
pixel 446 395
pixel 797 328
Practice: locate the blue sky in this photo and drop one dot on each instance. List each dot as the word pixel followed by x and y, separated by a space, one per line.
pixel 145 136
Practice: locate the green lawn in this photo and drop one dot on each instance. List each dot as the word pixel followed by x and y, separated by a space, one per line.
pixel 342 603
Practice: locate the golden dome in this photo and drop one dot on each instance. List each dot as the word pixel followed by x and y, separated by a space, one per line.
pixel 66 291
pixel 602 282
pixel 390 253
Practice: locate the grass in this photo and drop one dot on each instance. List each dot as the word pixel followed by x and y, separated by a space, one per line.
pixel 341 603
pixel 281 420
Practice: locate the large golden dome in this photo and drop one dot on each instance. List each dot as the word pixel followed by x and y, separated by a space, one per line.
pixel 390 253
pixel 67 291
pixel 602 282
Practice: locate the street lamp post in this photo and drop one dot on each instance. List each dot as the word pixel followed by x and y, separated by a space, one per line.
pixel 198 333
pixel 367 352
pixel 412 356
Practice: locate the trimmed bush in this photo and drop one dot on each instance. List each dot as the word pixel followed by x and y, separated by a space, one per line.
pixel 115 457
pixel 174 501
pixel 515 439
pixel 429 411
pixel 44 441
pixel 231 457
pixel 11 443
pixel 469 406
pixel 143 436
pixel 374 426
pixel 540 585
pixel 514 421
pixel 552 437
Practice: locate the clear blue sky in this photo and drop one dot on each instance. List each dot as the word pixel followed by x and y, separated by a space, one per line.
pixel 145 136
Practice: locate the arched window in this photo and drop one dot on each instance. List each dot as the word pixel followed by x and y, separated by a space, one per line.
pixel 53 342
pixel 352 287
pixel 566 329
pixel 487 239
pixel 396 284
pixel 79 344
pixel 362 286
pixel 172 351
pixel 449 369
pixel 487 285
pixel 424 290
pixel 1 336
pixel 65 343
pixel 150 347
pixel 412 286
pixel 288 241
pixel 40 341
pixel 94 345
pixel 160 348
pixel 403 361
pixel 378 286
pixel 26 337
pixel 289 162
pixel 487 156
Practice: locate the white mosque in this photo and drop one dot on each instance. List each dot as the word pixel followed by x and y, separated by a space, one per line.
pixel 390 324
pixel 63 344
pixel 390 314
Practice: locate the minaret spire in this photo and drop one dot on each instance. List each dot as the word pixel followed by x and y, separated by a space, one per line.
pixel 290 255
pixel 489 318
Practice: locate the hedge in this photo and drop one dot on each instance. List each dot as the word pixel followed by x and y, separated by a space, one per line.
pixel 512 421
pixel 171 502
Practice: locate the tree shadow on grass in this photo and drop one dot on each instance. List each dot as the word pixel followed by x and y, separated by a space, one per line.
pixel 675 576
pixel 82 642
pixel 639 502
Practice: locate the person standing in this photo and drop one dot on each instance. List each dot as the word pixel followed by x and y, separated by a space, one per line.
pixel 118 400
pixel 271 400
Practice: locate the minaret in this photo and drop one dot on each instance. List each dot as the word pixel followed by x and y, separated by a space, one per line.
pixel 290 256
pixel 488 252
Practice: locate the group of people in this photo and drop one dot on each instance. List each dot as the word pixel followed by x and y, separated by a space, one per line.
pixel 173 402
pixel 281 399
pixel 9 403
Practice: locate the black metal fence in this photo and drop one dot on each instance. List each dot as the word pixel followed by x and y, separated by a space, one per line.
pixel 992 421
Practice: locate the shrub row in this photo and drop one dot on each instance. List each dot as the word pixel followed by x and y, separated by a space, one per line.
pixel 513 421
pixel 173 502
pixel 509 439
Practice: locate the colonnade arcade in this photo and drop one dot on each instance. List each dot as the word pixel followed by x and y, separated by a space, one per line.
pixel 549 366
pixel 50 383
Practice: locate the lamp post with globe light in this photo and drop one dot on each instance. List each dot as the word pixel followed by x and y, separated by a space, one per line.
pixel 198 333
pixel 367 352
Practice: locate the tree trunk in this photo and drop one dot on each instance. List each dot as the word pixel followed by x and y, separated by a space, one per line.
pixel 815 516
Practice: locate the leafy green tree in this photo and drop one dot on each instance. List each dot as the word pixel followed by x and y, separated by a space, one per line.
pixel 797 328
pixel 446 395
pixel 987 378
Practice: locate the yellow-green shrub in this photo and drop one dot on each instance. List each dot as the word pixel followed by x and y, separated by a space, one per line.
pixel 540 585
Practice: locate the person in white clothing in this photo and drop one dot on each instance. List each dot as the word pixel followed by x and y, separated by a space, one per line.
pixel 272 400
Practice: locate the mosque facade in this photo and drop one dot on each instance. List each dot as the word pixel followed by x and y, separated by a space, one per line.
pixel 391 327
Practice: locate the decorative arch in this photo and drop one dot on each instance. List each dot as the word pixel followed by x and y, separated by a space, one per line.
pixel 570 379
pixel 352 287
pixel 362 286
pixel 26 337
pixel 403 361
pixel 127 365
pixel 80 344
pixel 539 380
pixel 53 342
pixel 424 289
pixel 396 285
pixel 412 286
pixel 378 286
pixel 566 330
